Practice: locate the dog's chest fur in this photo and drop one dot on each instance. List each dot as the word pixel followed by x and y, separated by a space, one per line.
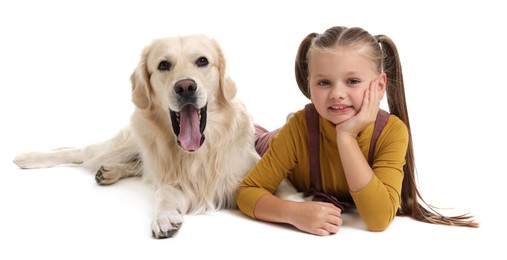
pixel 208 177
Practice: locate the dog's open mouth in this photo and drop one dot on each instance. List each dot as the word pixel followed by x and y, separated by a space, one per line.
pixel 188 126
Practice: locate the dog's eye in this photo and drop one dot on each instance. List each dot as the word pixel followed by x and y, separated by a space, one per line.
pixel 164 65
pixel 201 61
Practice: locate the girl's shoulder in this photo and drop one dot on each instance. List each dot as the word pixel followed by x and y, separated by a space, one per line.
pixel 395 121
pixel 395 127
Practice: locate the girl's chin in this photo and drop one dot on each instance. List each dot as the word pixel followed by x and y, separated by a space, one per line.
pixel 339 120
pixel 336 121
pixel 338 117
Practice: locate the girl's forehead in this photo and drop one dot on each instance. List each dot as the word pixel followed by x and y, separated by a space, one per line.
pixel 341 54
pixel 338 54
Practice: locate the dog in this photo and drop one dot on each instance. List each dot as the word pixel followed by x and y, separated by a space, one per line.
pixel 189 135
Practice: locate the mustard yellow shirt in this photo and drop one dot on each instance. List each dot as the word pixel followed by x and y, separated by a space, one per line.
pixel 288 157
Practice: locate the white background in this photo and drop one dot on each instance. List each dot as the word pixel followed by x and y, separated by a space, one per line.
pixel 65 68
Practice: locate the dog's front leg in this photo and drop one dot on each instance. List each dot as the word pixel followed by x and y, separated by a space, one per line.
pixel 170 207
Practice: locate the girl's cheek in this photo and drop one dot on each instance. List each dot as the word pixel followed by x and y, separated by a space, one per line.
pixel 359 98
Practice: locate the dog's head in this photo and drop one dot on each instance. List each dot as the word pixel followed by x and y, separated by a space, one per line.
pixel 182 76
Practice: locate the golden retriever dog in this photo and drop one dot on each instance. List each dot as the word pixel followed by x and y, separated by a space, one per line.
pixel 189 134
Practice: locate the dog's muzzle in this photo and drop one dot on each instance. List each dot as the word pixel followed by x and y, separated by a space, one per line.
pixel 189 123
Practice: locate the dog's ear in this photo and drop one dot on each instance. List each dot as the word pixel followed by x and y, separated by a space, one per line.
pixel 140 79
pixel 227 88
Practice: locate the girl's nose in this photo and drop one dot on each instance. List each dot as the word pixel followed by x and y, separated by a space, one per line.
pixel 337 92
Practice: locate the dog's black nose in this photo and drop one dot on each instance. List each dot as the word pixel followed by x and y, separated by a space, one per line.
pixel 185 87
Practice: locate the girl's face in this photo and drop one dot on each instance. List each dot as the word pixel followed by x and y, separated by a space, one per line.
pixel 338 79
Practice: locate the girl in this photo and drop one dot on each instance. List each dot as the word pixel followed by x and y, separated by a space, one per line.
pixel 345 72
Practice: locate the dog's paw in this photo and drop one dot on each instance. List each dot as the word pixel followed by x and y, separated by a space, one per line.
pixel 166 224
pixel 107 176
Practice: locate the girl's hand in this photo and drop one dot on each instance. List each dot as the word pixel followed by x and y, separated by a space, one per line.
pixel 366 115
pixel 318 218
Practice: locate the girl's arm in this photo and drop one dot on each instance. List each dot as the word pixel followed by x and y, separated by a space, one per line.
pixel 376 195
pixel 318 218
pixel 255 194
pixel 357 170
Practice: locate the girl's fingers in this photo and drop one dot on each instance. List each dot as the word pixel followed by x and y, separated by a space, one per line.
pixel 374 95
pixel 374 99
pixel 369 101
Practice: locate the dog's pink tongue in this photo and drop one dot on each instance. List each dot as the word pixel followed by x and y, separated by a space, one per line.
pixel 190 136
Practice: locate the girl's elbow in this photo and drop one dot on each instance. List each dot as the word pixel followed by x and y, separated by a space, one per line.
pixel 377 228
pixel 379 225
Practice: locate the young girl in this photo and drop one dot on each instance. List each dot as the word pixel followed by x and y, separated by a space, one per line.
pixel 345 72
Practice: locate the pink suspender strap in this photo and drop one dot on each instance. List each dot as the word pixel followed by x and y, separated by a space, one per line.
pixel 312 119
pixel 312 122
pixel 380 122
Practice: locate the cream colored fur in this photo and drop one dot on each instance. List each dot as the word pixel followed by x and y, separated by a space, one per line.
pixel 185 182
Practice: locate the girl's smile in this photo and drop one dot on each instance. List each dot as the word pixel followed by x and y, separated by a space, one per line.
pixel 340 108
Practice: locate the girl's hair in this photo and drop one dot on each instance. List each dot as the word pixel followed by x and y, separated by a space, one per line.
pixel 382 52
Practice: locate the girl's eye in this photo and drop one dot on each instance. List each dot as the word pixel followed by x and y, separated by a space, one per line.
pixel 353 81
pixel 323 83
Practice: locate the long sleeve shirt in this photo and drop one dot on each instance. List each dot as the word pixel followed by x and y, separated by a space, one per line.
pixel 288 157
